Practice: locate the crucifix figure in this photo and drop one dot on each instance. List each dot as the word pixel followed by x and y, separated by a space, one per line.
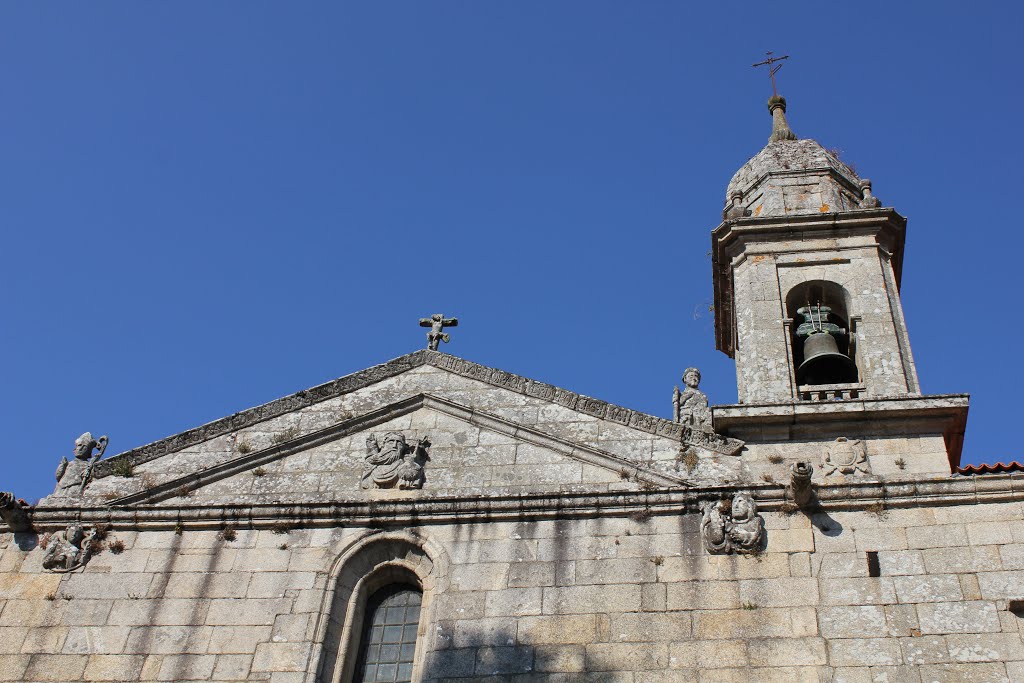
pixel 437 323
pixel 772 69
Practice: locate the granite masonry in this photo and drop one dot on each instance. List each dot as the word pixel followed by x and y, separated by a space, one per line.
pixel 432 519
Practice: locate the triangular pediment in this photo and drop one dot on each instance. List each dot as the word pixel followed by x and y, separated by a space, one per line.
pixel 629 448
pixel 468 451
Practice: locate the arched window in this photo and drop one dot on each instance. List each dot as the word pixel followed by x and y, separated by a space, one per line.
pixel 388 640
pixel 377 613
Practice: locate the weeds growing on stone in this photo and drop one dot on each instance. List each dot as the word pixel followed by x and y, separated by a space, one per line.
pixel 878 509
pixel 749 605
pixel 228 533
pixel 688 458
pixel 116 546
pixel 122 467
pixel 259 472
pixel 51 597
pixel 286 435
pixel 901 463
pixel 280 528
pixel 775 459
pixel 767 478
pixel 624 474
pixel 658 560
pixel 244 448
pixel 641 516
pixel 788 508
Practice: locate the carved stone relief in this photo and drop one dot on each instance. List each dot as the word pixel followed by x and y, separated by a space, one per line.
pixel 845 456
pixel 732 526
pixel 395 463
pixel 15 512
pixel 72 476
pixel 70 549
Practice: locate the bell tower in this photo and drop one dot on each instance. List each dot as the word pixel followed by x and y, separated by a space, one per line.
pixel 807 269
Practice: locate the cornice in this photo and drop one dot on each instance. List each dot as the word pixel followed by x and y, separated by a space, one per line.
pixel 870 494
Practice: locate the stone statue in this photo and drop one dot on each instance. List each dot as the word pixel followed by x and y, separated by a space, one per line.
pixel 70 549
pixel 15 512
pixel 395 464
pixel 845 456
pixel 73 476
pixel 437 323
pixel 690 406
pixel 732 527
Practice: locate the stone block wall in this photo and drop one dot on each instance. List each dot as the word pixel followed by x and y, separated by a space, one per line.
pixel 632 598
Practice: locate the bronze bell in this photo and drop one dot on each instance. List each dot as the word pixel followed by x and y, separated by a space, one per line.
pixel 824 363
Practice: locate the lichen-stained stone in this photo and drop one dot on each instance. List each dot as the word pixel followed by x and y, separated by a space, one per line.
pixel 113 667
pixel 281 657
pixel 558 629
pixel 1001 585
pixel 932 588
pixel 584 599
pixel 864 652
pixel 965 673
pixel 51 667
pixel 958 617
pixel 852 621
pixel 761 622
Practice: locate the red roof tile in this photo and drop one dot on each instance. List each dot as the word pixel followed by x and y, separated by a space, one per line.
pixel 998 468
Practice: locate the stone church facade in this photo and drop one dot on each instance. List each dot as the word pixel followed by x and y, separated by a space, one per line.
pixel 432 519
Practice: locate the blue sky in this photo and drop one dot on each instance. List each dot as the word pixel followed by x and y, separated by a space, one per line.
pixel 206 206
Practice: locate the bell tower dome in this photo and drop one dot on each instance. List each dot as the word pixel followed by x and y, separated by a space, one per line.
pixel 807 269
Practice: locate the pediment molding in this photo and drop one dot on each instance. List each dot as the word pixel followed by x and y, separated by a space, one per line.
pixel 361 423
pixel 364 378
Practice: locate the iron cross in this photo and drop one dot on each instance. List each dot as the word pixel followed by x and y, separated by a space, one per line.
pixel 437 323
pixel 772 70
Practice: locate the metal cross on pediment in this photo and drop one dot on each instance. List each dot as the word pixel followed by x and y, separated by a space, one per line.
pixel 437 323
pixel 772 69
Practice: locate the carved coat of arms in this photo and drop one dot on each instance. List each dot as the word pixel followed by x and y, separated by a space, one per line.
pixel 394 463
pixel 845 456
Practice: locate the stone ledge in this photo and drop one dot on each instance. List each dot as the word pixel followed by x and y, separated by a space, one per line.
pixel 857 495
pixel 947 412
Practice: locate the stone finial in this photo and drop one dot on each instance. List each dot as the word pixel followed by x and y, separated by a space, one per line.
pixel 780 127
pixel 735 209
pixel 868 200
